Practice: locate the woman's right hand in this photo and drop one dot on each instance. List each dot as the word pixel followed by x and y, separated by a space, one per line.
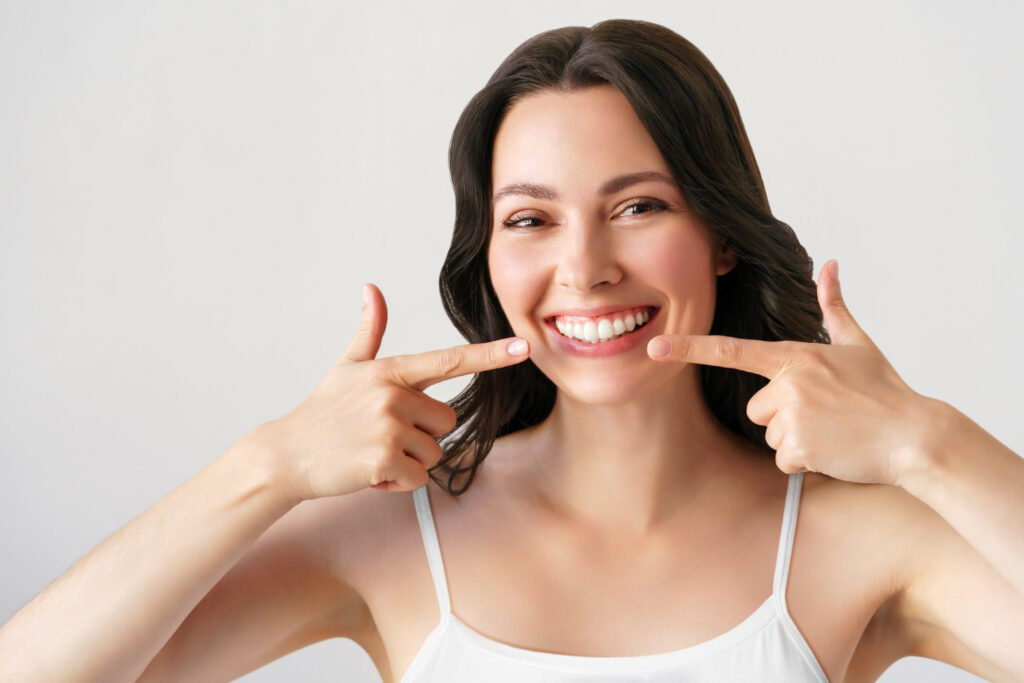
pixel 369 423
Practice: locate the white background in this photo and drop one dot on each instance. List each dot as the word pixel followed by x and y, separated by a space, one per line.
pixel 192 194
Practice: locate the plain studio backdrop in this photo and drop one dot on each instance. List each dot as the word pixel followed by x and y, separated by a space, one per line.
pixel 193 193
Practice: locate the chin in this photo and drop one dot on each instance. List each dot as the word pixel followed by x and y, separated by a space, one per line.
pixel 603 389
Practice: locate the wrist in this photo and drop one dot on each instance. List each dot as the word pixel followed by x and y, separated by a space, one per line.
pixel 258 453
pixel 927 461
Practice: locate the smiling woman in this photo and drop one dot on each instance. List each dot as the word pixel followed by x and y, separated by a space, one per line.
pixel 672 143
pixel 686 478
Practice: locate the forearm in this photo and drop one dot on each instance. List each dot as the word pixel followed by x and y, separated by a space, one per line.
pixel 111 613
pixel 977 485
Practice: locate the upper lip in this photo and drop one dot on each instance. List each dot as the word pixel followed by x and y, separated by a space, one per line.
pixel 597 310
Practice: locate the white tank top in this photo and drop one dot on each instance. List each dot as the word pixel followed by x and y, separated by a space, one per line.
pixel 765 647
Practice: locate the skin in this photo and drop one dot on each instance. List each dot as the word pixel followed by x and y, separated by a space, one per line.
pixel 626 417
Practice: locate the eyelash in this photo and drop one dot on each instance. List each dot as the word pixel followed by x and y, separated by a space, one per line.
pixel 653 203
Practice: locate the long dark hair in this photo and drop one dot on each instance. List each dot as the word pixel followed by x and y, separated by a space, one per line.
pixel 689 112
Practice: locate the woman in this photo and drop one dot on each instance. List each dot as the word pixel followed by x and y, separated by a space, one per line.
pixel 637 518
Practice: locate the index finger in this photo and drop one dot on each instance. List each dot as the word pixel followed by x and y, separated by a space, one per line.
pixel 421 370
pixel 766 358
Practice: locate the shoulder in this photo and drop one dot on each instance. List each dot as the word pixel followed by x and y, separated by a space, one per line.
pixel 860 547
pixel 887 536
pixel 891 527
pixel 356 531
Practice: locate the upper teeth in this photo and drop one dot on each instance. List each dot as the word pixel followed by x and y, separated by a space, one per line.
pixel 594 330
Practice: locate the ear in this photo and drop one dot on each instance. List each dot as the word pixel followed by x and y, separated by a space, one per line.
pixel 726 260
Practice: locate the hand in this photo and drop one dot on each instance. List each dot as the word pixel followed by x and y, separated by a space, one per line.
pixel 839 409
pixel 368 423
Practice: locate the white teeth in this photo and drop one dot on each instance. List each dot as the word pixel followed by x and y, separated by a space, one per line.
pixel 607 328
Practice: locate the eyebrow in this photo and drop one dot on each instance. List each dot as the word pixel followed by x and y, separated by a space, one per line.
pixel 610 186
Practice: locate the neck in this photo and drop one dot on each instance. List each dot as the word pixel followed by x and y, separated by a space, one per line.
pixel 632 467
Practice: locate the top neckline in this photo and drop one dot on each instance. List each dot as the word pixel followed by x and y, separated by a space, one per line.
pixel 773 607
pixel 754 623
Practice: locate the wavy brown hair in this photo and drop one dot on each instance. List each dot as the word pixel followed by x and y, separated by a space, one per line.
pixel 691 115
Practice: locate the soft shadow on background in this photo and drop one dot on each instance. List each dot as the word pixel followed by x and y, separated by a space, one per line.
pixel 192 194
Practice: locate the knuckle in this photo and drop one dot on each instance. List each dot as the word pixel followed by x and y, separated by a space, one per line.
pixel 451 418
pixel 494 354
pixel 448 361
pixel 800 393
pixel 390 426
pixel 436 453
pixel 728 350
pixel 385 402
pixel 391 445
pixel 829 371
pixel 682 347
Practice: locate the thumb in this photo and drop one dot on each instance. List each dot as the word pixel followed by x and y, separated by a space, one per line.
pixel 842 328
pixel 366 341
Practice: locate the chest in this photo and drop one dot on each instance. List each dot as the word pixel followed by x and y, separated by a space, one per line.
pixel 540 589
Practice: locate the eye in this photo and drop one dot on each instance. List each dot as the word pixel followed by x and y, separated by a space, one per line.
pixel 514 221
pixel 653 204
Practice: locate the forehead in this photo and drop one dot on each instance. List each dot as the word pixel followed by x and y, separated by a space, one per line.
pixel 572 140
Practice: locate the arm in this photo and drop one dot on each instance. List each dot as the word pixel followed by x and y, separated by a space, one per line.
pixel 977 485
pixel 963 603
pixel 112 612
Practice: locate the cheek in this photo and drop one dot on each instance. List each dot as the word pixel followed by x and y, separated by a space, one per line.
pixel 516 275
pixel 670 263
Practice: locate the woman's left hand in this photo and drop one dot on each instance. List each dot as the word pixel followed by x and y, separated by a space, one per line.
pixel 839 409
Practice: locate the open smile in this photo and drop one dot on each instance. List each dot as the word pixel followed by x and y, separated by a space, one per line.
pixel 604 335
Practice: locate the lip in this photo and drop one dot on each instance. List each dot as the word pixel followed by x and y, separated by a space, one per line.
pixel 597 311
pixel 602 349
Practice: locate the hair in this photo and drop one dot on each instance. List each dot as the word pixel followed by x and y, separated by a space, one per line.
pixel 691 115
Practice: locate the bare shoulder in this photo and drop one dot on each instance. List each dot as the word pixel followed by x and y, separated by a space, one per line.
pixel 366 545
pixel 337 531
pixel 357 529
pixel 875 537
pixel 888 522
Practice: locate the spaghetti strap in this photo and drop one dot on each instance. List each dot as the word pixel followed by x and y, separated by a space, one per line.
pixel 433 548
pixel 428 531
pixel 767 645
pixel 789 517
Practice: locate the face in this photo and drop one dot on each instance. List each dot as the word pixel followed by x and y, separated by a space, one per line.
pixel 571 248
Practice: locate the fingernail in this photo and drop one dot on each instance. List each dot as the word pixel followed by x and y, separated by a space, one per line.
pixel 518 348
pixel 658 347
pixel 366 296
pixel 835 270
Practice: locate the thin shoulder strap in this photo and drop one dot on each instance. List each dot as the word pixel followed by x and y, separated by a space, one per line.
pixel 429 533
pixel 786 536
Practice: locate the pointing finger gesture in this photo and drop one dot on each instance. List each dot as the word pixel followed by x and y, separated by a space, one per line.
pixel 369 423
pixel 839 408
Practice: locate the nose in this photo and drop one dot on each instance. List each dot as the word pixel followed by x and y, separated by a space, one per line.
pixel 587 258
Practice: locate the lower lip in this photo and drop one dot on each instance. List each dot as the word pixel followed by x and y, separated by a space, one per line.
pixel 611 347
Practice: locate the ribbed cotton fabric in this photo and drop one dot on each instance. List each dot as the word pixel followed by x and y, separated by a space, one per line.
pixel 765 647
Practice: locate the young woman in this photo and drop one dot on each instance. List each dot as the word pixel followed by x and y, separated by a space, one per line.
pixel 686 478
